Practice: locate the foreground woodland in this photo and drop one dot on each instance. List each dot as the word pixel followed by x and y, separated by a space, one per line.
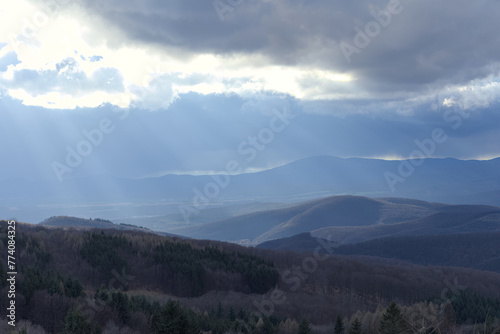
pixel 109 281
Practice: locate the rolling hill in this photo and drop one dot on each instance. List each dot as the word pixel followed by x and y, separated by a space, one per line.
pixel 353 211
pixel 468 250
pixel 455 219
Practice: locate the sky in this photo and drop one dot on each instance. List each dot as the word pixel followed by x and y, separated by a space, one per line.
pixel 144 88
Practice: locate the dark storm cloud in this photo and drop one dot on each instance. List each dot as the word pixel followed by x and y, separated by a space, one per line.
pixel 425 44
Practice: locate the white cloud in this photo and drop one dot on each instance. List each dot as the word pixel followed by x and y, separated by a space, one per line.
pixel 477 94
pixel 70 34
pixel 56 100
pixel 48 32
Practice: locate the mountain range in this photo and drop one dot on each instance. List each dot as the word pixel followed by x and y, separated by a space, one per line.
pixel 160 198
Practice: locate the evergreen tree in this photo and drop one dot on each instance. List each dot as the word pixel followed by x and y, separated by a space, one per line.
pixel 75 323
pixel 119 302
pixel 304 327
pixel 170 319
pixel 265 326
pixel 232 314
pixel 33 281
pixel 241 314
pixel 220 311
pixel 73 288
pixel 355 327
pixel 339 326
pixel 173 319
pixel 393 321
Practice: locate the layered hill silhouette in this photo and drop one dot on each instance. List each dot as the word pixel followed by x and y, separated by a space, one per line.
pixel 453 219
pixel 349 219
pixel 469 250
pixel 438 180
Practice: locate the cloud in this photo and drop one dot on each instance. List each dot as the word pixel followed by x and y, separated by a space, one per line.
pixel 476 95
pixel 286 47
pixel 425 42
pixel 66 85
pixel 7 59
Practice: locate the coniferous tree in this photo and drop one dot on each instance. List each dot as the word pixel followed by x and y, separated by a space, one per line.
pixel 75 323
pixel 232 314
pixel 339 326
pixel 119 301
pixel 170 319
pixel 220 311
pixel 266 326
pixel 393 321
pixel 241 314
pixel 304 327
pixel 73 288
pixel 356 327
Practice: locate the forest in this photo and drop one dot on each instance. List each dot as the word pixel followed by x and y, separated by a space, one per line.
pixel 109 281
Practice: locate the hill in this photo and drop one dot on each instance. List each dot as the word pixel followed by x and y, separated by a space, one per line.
pixel 331 211
pixel 469 250
pixel 97 223
pixel 455 219
pixel 64 221
pixel 351 219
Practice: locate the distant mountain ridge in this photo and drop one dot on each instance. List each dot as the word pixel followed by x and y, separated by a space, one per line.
pixel 436 180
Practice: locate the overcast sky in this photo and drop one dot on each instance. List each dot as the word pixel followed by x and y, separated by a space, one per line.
pixel 180 85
